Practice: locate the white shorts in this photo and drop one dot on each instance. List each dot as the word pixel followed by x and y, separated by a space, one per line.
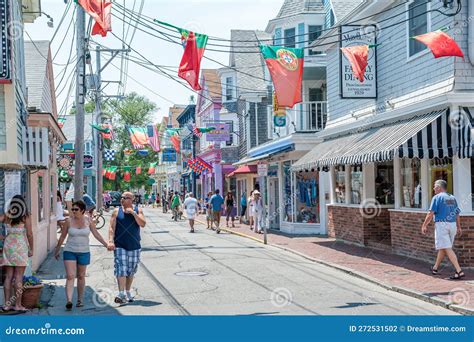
pixel 444 234
pixel 191 214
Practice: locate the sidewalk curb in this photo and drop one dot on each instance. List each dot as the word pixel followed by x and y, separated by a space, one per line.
pixel 401 290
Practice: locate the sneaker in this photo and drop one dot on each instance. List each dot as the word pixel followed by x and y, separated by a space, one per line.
pixel 218 231
pixel 120 300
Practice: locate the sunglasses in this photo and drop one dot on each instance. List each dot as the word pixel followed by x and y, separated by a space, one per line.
pixel 75 209
pixel 125 198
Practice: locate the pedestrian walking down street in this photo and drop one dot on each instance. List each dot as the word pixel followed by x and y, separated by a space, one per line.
pixel 17 248
pixel 207 204
pixel 90 204
pixel 175 204
pixel 445 210
pixel 60 219
pixel 69 197
pixel 146 200
pixel 76 252
pixel 258 212
pixel 164 203
pixel 251 208
pixel 229 209
pixel 124 238
pixel 243 206
pixel 191 206
pixel 216 202
pixel 153 200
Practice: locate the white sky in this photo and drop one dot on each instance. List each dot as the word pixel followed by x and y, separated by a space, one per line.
pixel 212 17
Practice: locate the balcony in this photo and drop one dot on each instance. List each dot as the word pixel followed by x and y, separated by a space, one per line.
pixel 309 116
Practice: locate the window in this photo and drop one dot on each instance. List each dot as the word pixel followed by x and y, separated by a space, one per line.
pixel 307 197
pixel 314 31
pixel 441 168
pixel 288 192
pixel 290 39
pixel 332 19
pixel 40 199
pixel 417 24
pixel 340 183
pixel 384 183
pixel 357 184
pixel 230 124
pixel 229 88
pixel 411 183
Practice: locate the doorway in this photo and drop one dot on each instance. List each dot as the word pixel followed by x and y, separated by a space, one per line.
pixel 274 204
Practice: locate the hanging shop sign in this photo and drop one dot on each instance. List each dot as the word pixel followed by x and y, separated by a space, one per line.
pixel 8 28
pixel 169 155
pixel 279 121
pixel 65 162
pixel 351 87
pixel 88 161
pixel 220 133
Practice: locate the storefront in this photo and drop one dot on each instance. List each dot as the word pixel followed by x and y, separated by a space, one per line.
pixel 381 179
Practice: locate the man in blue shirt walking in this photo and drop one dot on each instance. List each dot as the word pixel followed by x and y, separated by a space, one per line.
pixel 444 208
pixel 216 202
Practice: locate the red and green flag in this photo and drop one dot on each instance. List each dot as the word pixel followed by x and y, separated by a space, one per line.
pixel 138 137
pixel 152 168
pixel 358 56
pixel 176 141
pixel 111 172
pixel 194 47
pixel 441 44
pixel 101 12
pixel 138 170
pixel 286 69
pixel 126 173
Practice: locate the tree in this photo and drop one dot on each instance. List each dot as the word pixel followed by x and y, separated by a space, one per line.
pixel 133 110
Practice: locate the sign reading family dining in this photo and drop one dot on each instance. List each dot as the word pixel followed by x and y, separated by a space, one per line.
pixel 220 133
pixel 353 36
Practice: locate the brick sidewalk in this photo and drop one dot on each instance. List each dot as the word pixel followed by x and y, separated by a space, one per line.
pixel 398 273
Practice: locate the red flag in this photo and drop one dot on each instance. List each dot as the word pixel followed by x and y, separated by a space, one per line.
pixel 286 69
pixel 138 170
pixel 440 44
pixel 358 56
pixel 126 176
pixel 151 169
pixel 176 141
pixel 101 12
pixel 190 65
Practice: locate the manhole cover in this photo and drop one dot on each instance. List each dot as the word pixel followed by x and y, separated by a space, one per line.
pixel 400 273
pixel 191 274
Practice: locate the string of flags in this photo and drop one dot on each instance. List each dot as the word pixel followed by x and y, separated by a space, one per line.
pixel 109 155
pixel 439 42
pixel 198 165
pixel 105 130
pixel 110 172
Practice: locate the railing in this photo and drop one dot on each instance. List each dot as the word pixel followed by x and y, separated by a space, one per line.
pixel 36 150
pixel 311 116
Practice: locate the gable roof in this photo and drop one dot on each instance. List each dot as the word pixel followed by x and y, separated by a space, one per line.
pixel 251 65
pixel 212 82
pixel 295 7
pixel 343 7
pixel 174 112
pixel 36 70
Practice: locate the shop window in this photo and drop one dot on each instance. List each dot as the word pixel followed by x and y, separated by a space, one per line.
pixel 384 183
pixel 307 197
pixel 357 184
pixel 411 183
pixel 441 168
pixel 418 23
pixel 40 199
pixel 288 192
pixel 340 180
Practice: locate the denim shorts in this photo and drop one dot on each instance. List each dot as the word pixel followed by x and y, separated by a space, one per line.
pixel 81 258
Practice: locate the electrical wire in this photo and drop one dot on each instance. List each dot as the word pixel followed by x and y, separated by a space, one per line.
pixel 66 10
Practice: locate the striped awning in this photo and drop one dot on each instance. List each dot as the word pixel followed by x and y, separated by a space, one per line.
pixel 432 135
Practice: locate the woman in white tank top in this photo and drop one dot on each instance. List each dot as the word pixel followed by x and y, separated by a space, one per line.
pixel 76 252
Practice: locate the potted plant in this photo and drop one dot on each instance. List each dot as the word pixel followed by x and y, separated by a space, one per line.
pixel 32 287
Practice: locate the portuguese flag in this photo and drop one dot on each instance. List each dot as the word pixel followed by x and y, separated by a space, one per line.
pixel 194 46
pixel 286 68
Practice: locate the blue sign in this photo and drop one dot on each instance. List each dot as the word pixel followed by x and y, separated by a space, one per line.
pixel 169 155
pixel 279 121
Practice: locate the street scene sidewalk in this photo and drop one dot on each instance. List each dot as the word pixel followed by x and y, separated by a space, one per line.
pixel 398 273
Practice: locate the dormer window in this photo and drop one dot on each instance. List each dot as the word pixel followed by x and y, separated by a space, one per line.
pixel 290 39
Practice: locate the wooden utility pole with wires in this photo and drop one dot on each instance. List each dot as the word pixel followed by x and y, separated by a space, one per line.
pixel 80 101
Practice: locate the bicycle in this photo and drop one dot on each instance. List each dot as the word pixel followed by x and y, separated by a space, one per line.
pixel 98 218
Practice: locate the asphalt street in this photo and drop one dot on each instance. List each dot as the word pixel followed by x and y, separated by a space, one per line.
pixel 222 274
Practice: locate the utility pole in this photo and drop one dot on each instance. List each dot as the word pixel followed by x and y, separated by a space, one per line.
pixel 80 90
pixel 99 142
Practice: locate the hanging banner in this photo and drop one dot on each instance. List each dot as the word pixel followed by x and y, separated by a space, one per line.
pixel 351 87
pixel 169 155
pixel 5 72
pixel 220 133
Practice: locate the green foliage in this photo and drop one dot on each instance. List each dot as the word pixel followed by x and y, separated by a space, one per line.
pixel 133 110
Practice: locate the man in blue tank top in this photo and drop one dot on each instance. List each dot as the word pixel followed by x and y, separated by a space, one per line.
pixel 124 239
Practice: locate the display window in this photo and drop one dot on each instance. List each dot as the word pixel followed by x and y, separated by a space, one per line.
pixel 411 183
pixel 307 197
pixel 340 184
pixel 357 184
pixel 384 183
pixel 441 168
pixel 288 193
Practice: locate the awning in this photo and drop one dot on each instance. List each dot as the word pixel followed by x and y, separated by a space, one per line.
pixel 430 135
pixel 275 152
pixel 243 170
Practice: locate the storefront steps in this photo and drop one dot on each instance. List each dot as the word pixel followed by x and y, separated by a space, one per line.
pixel 394 272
